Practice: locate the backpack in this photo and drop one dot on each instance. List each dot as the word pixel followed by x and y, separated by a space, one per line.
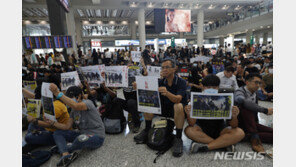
pixel 160 136
pixel 35 159
pixel 113 119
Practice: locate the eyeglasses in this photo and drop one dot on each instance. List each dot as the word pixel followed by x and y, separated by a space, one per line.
pixel 257 82
pixel 166 67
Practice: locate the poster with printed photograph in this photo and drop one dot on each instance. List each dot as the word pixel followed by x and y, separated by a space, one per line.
pixel 80 74
pixel 136 56
pixel 24 107
pixel 203 59
pixel 133 71
pixel 34 108
pixel 177 20
pixel 69 79
pixel 47 101
pixel 154 71
pixel 217 67
pixel 183 72
pixel 116 76
pixel 30 85
pixel 93 75
pixel 148 95
pixel 211 106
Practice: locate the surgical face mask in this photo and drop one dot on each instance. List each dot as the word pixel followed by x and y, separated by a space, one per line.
pixel 194 65
pixel 41 74
pixel 270 71
pixel 211 91
pixel 74 99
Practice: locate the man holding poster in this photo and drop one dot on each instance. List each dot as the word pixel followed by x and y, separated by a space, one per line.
pixel 172 91
pixel 216 133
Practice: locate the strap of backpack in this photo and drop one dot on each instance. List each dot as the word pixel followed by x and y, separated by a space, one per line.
pixel 159 153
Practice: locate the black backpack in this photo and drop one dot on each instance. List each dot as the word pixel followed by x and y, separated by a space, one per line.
pixel 35 159
pixel 160 136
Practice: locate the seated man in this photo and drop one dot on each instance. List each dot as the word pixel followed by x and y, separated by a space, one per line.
pixel 214 133
pixel 40 131
pixel 89 130
pixel 173 98
pixel 227 79
pixel 247 100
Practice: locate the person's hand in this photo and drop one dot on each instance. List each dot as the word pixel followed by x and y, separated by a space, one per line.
pixel 30 118
pixel 270 94
pixel 270 111
pixel 85 83
pixel 235 111
pixel 134 85
pixel 47 120
pixel 163 91
pixel 103 74
pixel 188 109
pixel 54 89
pixel 190 84
pixel 103 84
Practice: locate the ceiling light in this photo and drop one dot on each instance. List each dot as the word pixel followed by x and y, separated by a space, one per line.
pixel 225 7
pixel 148 22
pixel 112 22
pixel 253 30
pixel 85 22
pixel 42 22
pixel 99 22
pixel 261 26
pixel 136 22
pixel 211 7
pixel 165 5
pixel 150 5
pixel 133 5
pixel 124 22
pixel 268 26
pixel 27 22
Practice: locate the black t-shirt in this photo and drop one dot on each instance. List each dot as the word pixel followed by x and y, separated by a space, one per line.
pixel 103 96
pixel 178 88
pixel 195 79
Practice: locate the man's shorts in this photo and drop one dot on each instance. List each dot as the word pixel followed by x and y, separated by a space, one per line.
pixel 168 111
pixel 212 131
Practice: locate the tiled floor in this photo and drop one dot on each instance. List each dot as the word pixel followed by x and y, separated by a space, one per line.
pixel 120 151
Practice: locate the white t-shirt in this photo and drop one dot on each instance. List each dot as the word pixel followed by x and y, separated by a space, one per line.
pixel 108 55
pixel 263 48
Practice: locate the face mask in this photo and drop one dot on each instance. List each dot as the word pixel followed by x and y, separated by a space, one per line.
pixel 270 71
pixel 23 74
pixel 41 74
pixel 194 65
pixel 211 91
pixel 74 99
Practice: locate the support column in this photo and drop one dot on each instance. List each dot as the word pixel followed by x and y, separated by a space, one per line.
pixel 78 29
pixel 221 41
pixel 248 36
pixel 181 35
pixel 200 28
pixel 257 38
pixel 71 30
pixel 265 36
pixel 141 26
pixel 156 45
pixel 133 28
pixel 57 20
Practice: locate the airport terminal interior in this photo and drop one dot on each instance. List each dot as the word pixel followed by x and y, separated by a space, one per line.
pixel 132 83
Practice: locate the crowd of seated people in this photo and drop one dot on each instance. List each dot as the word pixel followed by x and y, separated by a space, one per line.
pixel 79 109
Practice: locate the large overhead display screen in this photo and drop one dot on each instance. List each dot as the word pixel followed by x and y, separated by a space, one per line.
pixel 177 20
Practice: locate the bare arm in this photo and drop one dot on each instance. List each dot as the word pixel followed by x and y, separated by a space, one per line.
pixel 28 94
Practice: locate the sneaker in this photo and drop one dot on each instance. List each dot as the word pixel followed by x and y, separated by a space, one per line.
pixel 231 149
pixel 196 147
pixel 257 145
pixel 67 159
pixel 54 150
pixel 178 147
pixel 136 129
pixel 142 137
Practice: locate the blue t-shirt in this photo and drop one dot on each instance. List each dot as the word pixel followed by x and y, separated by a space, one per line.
pixel 178 88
